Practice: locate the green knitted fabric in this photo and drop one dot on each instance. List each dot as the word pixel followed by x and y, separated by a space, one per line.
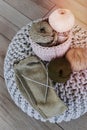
pixel 32 80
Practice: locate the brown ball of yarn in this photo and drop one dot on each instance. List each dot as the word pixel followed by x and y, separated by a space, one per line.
pixel 77 58
pixel 59 70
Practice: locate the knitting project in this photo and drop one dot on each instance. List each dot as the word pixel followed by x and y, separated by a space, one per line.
pixel 73 92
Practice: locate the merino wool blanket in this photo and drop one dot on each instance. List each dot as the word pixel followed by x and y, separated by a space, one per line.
pixel 32 79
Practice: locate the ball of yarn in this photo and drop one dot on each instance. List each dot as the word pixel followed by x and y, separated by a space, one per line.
pixel 59 70
pixel 77 58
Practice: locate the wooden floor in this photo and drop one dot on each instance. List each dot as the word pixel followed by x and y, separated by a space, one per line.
pixel 13 15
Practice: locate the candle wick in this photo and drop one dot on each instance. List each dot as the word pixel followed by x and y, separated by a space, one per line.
pixel 62 11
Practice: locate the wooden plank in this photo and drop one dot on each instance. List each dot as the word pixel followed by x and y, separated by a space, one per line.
pixel 82 2
pixel 3 89
pixel 77 124
pixel 48 4
pixel 81 24
pixel 3 49
pixel 78 9
pixel 33 9
pixel 7 28
pixel 49 12
pixel 4 125
pixel 53 126
pixel 13 15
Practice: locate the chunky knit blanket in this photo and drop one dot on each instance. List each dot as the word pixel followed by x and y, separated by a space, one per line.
pixel 73 92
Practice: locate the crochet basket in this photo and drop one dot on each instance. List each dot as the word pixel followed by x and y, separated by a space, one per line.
pixel 73 92
pixel 48 53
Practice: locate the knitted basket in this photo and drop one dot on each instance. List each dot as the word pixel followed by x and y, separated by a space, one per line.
pixel 48 53
pixel 73 92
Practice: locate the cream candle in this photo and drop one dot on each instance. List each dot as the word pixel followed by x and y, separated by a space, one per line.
pixel 62 21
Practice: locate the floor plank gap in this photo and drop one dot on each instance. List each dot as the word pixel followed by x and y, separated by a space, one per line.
pixel 49 11
pixel 2 77
pixel 60 126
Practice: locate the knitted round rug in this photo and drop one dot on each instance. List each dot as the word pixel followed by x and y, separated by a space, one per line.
pixel 73 92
